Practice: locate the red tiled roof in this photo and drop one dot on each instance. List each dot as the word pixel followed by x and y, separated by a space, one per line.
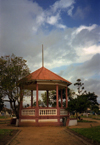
pixel 45 74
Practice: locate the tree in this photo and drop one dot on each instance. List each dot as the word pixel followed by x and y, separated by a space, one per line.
pixel 83 101
pixel 52 97
pixel 12 68
pixel 44 98
pixel 80 86
pixel 1 103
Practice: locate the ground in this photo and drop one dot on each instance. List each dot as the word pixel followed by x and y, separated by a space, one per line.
pixel 47 135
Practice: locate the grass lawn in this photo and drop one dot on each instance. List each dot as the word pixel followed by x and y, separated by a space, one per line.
pixel 6 135
pixel 2 117
pixel 5 120
pixel 86 121
pixel 5 131
pixel 97 117
pixel 92 133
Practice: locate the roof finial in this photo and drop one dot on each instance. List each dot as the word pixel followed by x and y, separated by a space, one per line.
pixel 42 57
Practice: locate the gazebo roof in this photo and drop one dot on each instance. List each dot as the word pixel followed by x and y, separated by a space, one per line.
pixel 43 74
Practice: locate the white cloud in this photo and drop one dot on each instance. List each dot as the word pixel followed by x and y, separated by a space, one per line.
pixel 81 12
pixel 89 28
pixel 70 11
pixel 88 72
pixel 62 4
pixel 52 15
pixel 61 26
pixel 53 19
pixel 91 50
pixel 61 47
pixel 40 18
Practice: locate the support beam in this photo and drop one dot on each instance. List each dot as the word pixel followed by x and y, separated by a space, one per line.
pixel 31 98
pixel 47 98
pixel 66 98
pixel 36 95
pixel 61 99
pixel 57 105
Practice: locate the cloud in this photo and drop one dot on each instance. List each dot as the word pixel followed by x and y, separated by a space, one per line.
pixel 81 12
pixel 23 29
pixel 86 72
pixel 61 26
pixel 89 28
pixel 53 19
pixel 62 4
pixel 52 15
pixel 87 69
pixel 70 11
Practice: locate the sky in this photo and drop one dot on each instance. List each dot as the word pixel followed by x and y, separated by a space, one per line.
pixel 68 29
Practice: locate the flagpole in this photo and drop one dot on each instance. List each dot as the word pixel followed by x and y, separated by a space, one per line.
pixel 42 57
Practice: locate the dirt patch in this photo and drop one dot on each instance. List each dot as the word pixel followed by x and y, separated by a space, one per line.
pixel 5 138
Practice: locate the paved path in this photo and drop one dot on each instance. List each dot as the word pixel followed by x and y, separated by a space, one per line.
pixel 45 136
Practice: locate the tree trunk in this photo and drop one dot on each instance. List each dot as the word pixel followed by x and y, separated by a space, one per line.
pixel 76 115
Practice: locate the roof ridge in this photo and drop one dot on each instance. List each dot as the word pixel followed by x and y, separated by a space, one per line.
pixel 33 72
pixel 40 71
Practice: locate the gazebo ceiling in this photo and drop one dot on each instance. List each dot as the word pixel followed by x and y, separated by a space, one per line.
pixel 46 79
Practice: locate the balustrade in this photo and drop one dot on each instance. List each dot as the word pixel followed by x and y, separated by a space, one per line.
pixel 28 112
pixel 43 112
pixel 47 112
pixel 63 112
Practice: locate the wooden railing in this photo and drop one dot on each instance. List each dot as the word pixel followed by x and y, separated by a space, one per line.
pixel 47 112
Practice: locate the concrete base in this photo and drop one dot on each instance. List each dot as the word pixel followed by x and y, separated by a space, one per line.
pixel 72 122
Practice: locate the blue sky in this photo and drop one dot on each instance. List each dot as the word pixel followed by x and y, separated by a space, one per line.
pixel 68 29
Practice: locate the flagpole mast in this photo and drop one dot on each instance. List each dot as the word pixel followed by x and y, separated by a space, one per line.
pixel 42 57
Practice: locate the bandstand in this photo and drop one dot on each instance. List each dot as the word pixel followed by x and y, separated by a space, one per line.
pixel 46 80
pixel 43 79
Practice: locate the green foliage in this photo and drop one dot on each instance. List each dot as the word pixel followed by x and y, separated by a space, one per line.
pixel 86 121
pixel 44 98
pixel 83 101
pixel 12 68
pixel 52 97
pixel 92 133
pixel 80 86
pixel 5 131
